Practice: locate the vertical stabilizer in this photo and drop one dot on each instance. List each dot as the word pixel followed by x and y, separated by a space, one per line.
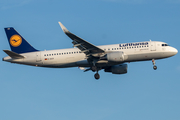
pixel 17 43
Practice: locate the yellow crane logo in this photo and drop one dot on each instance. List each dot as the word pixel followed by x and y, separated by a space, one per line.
pixel 15 40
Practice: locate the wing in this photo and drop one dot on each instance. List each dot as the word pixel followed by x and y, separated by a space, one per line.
pixel 84 46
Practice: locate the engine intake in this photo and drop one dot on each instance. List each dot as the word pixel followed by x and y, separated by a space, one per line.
pixel 118 56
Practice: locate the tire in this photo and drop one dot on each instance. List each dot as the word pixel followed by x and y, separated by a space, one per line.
pixel 96 76
pixel 154 67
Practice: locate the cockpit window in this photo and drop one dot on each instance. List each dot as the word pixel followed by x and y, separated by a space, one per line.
pixel 165 45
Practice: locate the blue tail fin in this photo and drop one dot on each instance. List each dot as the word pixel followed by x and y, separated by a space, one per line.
pixel 17 43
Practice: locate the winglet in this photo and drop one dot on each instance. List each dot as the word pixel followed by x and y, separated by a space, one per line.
pixel 65 30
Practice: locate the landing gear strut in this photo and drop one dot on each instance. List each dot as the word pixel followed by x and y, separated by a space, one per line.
pixel 154 66
pixel 94 68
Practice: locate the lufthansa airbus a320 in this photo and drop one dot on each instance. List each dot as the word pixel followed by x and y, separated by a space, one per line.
pixel 86 56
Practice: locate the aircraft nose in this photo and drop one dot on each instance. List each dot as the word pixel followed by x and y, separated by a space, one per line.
pixel 175 51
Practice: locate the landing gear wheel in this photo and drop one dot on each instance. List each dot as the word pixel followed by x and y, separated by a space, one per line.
pixel 154 67
pixel 97 76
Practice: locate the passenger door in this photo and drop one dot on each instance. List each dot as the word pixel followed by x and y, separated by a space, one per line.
pixel 153 46
pixel 38 56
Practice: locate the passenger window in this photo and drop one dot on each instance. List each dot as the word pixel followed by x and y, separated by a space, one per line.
pixel 44 54
pixel 49 54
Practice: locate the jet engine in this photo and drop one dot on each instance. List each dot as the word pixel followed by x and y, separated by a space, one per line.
pixel 118 56
pixel 117 69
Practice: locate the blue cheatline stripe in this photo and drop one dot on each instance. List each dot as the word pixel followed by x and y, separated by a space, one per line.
pixel 17 43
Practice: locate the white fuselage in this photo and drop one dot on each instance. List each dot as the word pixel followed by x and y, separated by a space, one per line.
pixel 73 57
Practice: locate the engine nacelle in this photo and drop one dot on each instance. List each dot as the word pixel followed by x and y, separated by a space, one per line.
pixel 118 56
pixel 117 69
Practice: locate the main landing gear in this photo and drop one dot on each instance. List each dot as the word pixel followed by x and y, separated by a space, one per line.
pixel 96 76
pixel 94 69
pixel 154 66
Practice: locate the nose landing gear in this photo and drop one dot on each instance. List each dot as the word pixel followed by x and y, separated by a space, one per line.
pixel 154 66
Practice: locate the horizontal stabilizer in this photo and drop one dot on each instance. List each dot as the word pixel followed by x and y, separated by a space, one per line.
pixel 13 54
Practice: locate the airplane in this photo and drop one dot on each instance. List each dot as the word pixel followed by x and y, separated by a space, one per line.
pixel 86 56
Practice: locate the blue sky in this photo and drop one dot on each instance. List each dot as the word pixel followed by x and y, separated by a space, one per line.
pixel 28 93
